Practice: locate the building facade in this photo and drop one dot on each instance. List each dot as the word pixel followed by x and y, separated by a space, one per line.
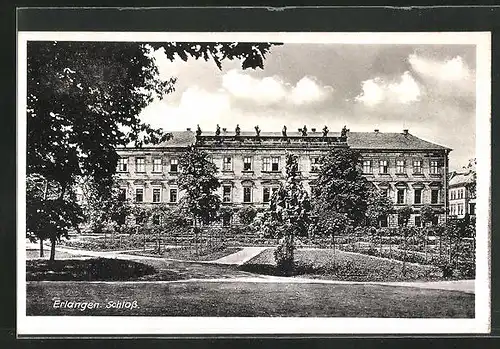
pixel 409 170
pixel 462 200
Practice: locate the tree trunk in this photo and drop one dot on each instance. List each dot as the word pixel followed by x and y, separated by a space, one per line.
pixel 41 248
pixel 404 253
pixel 425 245
pixel 52 249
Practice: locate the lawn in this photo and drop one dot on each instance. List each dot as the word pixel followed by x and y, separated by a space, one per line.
pixel 322 263
pixel 139 269
pixel 35 254
pixel 247 299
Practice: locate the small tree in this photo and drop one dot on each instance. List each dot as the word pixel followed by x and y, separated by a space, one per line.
pixel 404 215
pixel 199 182
pixel 290 210
pixel 247 215
pixel 331 224
pixel 427 215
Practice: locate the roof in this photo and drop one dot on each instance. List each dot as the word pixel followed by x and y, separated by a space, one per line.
pixel 461 178
pixel 356 140
pixel 390 141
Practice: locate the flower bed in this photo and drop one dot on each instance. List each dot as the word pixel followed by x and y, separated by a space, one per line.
pixel 345 266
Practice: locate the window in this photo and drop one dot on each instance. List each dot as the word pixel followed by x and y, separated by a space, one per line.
pixel 139 195
pixel 247 163
pixel 268 192
pixel 434 196
pixel 139 165
pixel 122 195
pixel 434 167
pixel 275 164
pixel 156 194
pixel 472 208
pixel 226 219
pixel 157 165
pixel 452 194
pixel 417 167
pixel 383 166
pixel 460 209
pixel 247 194
pixel 452 210
pixel 401 196
pixel 226 193
pixel 418 196
pixel 174 165
pixel 383 221
pixel 227 164
pixel 173 195
pixel 418 221
pixel 122 165
pixel 266 164
pixel 367 166
pixel 315 164
pixel 400 166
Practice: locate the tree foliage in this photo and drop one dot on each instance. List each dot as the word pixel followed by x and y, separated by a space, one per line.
pixel 341 186
pixel 84 100
pixel 379 206
pixel 427 214
pixel 404 214
pixel 199 182
pixel 290 210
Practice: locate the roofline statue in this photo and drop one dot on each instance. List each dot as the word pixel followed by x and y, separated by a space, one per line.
pixel 198 130
pixel 237 130
pixel 257 130
pixel 283 131
pixel 325 131
pixel 304 131
pixel 217 130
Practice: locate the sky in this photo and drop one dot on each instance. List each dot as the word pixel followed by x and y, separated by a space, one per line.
pixel 428 89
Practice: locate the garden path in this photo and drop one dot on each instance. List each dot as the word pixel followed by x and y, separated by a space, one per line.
pixel 241 257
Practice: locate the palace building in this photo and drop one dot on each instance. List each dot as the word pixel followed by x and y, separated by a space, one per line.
pixel 410 170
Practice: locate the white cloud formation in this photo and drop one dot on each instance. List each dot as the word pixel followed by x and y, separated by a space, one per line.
pixel 452 78
pixel 307 90
pixel 273 90
pixel 264 91
pixel 378 90
pixel 454 69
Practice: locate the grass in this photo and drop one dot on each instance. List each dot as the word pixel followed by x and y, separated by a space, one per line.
pixel 88 269
pixel 321 263
pixel 126 270
pixel 190 253
pixel 35 254
pixel 250 299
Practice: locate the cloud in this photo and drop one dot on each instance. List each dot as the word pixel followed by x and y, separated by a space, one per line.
pixel 451 78
pixel 379 90
pixel 272 90
pixel 267 90
pixel 450 70
pixel 308 90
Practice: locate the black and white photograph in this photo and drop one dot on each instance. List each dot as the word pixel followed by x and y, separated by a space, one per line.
pixel 218 183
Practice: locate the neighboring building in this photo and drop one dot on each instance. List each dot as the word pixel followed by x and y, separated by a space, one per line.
pixel 408 169
pixel 462 200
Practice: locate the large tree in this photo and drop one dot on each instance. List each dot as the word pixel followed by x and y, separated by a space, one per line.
pixel 84 100
pixel 341 187
pixel 290 211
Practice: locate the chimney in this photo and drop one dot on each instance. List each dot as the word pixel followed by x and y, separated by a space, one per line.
pixel 313 129
pixel 405 131
pixel 376 130
pixel 188 129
